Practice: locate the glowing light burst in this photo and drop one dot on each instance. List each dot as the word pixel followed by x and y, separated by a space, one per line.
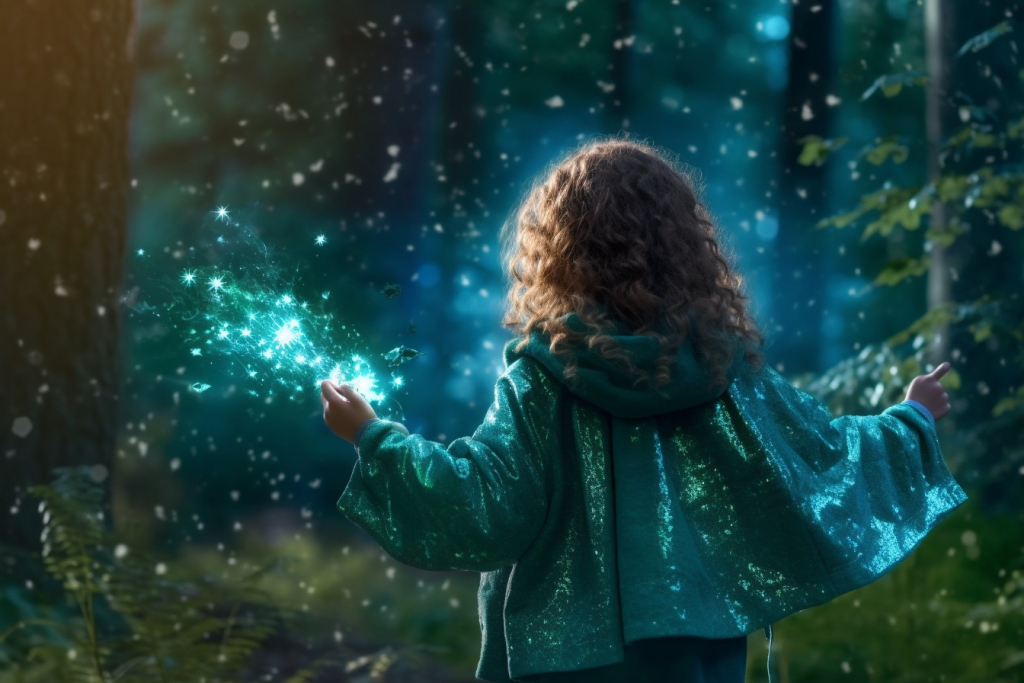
pixel 358 378
pixel 244 319
pixel 287 333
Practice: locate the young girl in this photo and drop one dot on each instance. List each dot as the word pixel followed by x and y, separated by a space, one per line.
pixel 644 491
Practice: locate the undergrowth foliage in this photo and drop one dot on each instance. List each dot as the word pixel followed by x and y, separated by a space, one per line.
pixel 131 621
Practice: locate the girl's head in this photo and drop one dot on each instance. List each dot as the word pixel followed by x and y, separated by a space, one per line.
pixel 616 232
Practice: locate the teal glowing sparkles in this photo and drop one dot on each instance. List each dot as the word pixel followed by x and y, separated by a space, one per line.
pixel 257 321
pixel 287 333
pixel 398 381
pixel 141 252
pixel 320 240
pixel 199 387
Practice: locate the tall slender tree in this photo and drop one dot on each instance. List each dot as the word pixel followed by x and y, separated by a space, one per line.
pixel 802 197
pixel 939 40
pixel 619 65
pixel 64 178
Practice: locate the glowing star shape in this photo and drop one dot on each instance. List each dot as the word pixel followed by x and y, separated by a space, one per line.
pixel 216 283
pixel 320 240
pixel 197 352
pixel 363 383
pixel 287 333
pixel 365 386
pixel 199 387
pixel 221 213
pixel 223 334
pixel 188 278
pixel 398 381
pixel 141 252
pixel 246 332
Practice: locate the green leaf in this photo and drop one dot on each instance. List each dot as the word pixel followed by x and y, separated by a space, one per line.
pixel 840 221
pixel 939 316
pixel 981 331
pixel 1015 129
pixel 901 212
pixel 975 137
pixel 887 147
pixel 902 268
pixel 892 84
pixel 1012 216
pixel 817 149
pixel 984 39
pixel 1009 404
pixel 946 235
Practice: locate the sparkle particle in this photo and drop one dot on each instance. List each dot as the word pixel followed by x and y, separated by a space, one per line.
pixel 286 334
pixel 197 352
pixel 199 387
pixel 188 278
pixel 222 213
pixel 216 283
pixel 320 240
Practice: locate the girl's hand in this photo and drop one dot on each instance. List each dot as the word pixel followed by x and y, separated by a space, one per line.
pixel 926 390
pixel 344 409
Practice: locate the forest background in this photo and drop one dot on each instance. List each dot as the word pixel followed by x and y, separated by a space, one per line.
pixel 168 516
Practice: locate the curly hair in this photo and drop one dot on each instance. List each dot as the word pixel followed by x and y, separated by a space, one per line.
pixel 615 233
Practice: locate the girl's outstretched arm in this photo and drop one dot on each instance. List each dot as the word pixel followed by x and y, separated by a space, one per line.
pixel 475 505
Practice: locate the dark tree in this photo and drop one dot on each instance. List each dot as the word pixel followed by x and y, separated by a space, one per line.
pixel 800 280
pixel 619 64
pixel 64 176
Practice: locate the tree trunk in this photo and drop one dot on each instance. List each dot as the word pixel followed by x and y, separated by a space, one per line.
pixel 64 107
pixel 800 248
pixel 618 111
pixel 940 48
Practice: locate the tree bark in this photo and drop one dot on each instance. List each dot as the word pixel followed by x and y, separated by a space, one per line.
pixel 939 42
pixel 800 249
pixel 64 107
pixel 619 108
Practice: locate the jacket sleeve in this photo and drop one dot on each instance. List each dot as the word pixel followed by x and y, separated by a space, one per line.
pixel 869 487
pixel 477 504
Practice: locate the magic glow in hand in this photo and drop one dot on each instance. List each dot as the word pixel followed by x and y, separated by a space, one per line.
pixel 244 310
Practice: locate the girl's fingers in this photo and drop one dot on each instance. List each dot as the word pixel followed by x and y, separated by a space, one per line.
pixel 352 395
pixel 329 393
pixel 940 371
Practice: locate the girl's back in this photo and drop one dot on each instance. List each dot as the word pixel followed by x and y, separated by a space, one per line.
pixel 643 487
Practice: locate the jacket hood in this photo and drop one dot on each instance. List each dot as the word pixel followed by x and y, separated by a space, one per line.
pixel 608 387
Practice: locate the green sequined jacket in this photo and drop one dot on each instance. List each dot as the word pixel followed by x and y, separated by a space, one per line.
pixel 598 514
